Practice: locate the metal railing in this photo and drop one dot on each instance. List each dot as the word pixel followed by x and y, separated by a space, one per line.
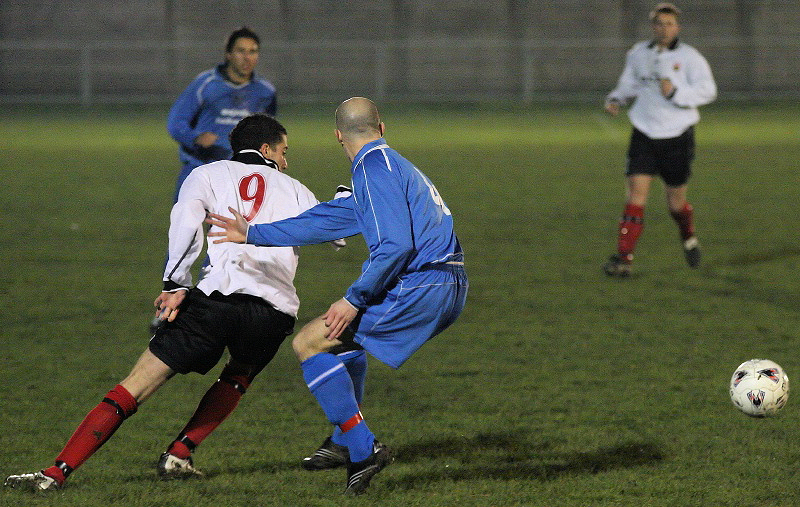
pixel 432 69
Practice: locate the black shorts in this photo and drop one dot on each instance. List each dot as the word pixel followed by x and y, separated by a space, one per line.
pixel 671 159
pixel 248 326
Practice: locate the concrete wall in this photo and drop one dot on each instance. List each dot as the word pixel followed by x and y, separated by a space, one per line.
pixel 402 49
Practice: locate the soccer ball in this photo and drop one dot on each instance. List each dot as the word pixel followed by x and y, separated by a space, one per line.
pixel 759 387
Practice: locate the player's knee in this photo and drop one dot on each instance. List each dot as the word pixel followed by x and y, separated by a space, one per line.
pixel 311 340
pixel 300 347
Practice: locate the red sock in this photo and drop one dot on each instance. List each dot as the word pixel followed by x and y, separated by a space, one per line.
pixel 685 221
pixel 97 427
pixel 630 227
pixel 219 401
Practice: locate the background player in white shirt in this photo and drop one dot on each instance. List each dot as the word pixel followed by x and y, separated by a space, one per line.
pixel 246 301
pixel 666 80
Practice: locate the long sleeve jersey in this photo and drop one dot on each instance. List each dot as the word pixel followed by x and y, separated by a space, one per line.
pixel 254 187
pixel 405 222
pixel 653 114
pixel 212 103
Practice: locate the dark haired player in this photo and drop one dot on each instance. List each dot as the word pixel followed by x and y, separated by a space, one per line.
pixel 203 115
pixel 245 302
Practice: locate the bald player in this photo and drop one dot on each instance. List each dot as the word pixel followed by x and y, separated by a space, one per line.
pixel 412 286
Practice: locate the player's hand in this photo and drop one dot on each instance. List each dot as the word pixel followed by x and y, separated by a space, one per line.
pixel 612 107
pixel 167 304
pixel 206 139
pixel 235 229
pixel 666 87
pixel 338 317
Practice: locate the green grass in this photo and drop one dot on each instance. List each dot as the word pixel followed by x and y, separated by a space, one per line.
pixel 557 386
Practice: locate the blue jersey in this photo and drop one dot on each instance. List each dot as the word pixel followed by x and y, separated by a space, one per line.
pixel 405 223
pixel 212 103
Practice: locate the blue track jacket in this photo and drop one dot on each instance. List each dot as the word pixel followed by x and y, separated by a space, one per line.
pixel 212 103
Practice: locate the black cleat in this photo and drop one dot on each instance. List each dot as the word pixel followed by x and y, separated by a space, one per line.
pixel 618 266
pixel 691 249
pixel 329 455
pixel 359 474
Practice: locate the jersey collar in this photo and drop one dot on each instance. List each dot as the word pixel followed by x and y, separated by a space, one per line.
pixel 377 144
pixel 671 47
pixel 221 70
pixel 253 157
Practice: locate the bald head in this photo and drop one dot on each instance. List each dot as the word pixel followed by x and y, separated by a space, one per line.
pixel 357 118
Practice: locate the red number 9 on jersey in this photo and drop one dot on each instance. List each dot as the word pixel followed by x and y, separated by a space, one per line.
pixel 252 189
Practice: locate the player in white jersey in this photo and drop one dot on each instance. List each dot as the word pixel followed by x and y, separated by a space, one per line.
pixel 246 302
pixel 666 80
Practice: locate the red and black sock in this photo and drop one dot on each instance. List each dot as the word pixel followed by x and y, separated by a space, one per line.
pixel 97 427
pixel 685 220
pixel 630 227
pixel 217 404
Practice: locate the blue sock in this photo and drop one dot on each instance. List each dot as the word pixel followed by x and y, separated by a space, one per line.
pixel 356 363
pixel 328 380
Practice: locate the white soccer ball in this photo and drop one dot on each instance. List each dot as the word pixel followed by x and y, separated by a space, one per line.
pixel 759 387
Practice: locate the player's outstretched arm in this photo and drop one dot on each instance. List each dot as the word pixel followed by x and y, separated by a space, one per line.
pixel 234 229
pixel 342 191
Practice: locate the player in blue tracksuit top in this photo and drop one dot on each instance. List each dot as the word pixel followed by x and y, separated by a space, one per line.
pixel 412 286
pixel 202 117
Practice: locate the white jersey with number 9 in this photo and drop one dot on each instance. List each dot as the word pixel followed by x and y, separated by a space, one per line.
pixel 261 194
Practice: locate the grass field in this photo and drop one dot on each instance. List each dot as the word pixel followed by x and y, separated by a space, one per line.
pixel 557 387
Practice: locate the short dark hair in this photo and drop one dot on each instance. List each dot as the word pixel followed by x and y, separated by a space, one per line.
pixel 238 34
pixel 254 130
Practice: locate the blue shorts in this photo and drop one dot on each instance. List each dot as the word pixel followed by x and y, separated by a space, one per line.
pixel 419 307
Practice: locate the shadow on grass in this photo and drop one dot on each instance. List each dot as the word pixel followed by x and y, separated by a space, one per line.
pixel 751 258
pixel 504 457
pixel 262 467
pixel 211 469
pixel 741 284
pixel 483 456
